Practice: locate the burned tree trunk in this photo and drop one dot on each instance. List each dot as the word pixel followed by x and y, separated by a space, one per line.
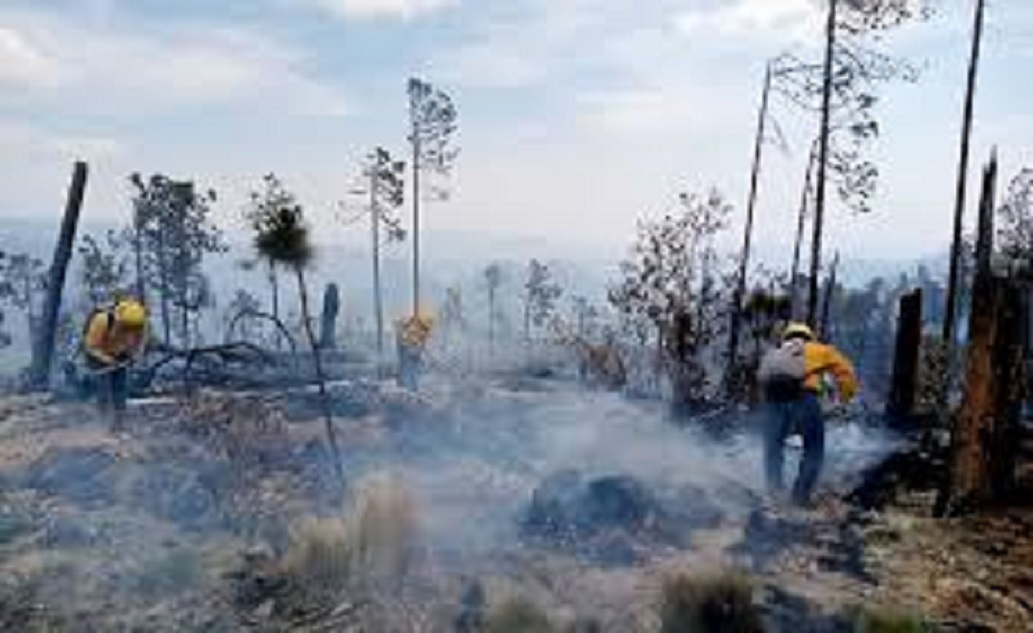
pixel 328 322
pixel 735 323
pixel 901 402
pixel 801 219
pixel 43 345
pixel 826 308
pixel 823 159
pixel 324 397
pixel 984 439
pixel 954 279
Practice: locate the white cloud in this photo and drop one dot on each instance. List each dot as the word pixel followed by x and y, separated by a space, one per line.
pixel 791 20
pixel 383 9
pixel 24 66
pixel 29 140
pixel 637 113
pixel 110 71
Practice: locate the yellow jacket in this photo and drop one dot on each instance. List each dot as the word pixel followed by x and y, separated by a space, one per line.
pixel 821 359
pixel 108 343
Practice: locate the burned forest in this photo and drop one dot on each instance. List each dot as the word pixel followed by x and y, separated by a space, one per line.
pixel 516 317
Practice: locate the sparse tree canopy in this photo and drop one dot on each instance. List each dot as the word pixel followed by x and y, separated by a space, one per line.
pixel 542 293
pixel 105 266
pixel 174 232
pixel 22 278
pixel 1015 231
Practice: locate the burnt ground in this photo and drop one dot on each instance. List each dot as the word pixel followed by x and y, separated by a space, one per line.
pixel 179 524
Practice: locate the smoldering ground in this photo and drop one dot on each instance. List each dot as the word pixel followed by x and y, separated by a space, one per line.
pixel 143 524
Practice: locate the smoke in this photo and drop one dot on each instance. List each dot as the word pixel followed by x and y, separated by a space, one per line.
pixel 474 461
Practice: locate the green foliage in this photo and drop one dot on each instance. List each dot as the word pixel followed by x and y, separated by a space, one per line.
pixel 720 603
pixel 172 233
pixel 517 615
pixel 105 266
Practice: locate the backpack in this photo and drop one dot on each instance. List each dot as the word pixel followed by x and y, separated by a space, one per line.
pixel 783 370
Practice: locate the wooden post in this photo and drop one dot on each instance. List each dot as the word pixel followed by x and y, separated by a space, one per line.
pixel 44 345
pixel 901 402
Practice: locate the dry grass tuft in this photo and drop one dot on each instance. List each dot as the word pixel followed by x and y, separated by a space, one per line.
pixel 517 615
pixel 371 547
pixel 886 620
pixel 713 603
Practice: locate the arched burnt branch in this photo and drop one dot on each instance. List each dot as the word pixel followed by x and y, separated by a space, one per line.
pixel 257 314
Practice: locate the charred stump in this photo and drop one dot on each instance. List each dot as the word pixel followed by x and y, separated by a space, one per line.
pixel 43 346
pixel 328 321
pixel 901 403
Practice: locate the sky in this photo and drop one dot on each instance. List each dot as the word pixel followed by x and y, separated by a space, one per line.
pixel 577 117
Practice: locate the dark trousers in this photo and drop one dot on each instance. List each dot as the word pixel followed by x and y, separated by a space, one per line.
pixel 800 416
pixel 110 385
pixel 410 366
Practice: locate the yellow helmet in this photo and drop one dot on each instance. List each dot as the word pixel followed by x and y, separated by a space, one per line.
pixel 798 330
pixel 130 313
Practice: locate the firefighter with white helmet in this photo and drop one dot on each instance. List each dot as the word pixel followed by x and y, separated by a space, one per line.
pixel 793 375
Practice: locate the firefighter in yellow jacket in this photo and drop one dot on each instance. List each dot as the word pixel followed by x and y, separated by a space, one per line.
pixel 792 376
pixel 114 337
pixel 413 334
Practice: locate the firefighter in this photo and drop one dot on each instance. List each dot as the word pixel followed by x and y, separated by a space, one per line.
pixel 793 377
pixel 413 334
pixel 113 339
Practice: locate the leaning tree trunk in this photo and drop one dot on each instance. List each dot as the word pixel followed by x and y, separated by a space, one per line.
pixel 801 220
pixel 43 343
pixel 950 310
pixel 735 323
pixel 823 154
pixel 324 397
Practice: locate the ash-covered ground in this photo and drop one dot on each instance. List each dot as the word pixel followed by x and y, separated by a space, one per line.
pixel 223 512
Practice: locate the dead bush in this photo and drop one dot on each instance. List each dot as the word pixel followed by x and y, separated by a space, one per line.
pixel 517 615
pixel 713 603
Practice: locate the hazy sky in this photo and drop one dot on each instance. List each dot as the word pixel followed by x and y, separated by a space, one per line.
pixel 577 116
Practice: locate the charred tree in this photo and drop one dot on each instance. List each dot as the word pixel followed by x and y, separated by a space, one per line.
pixel 823 153
pixel 901 402
pixel 801 220
pixel 984 438
pixel 43 346
pixel 735 323
pixel 826 308
pixel 328 321
pixel 950 313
